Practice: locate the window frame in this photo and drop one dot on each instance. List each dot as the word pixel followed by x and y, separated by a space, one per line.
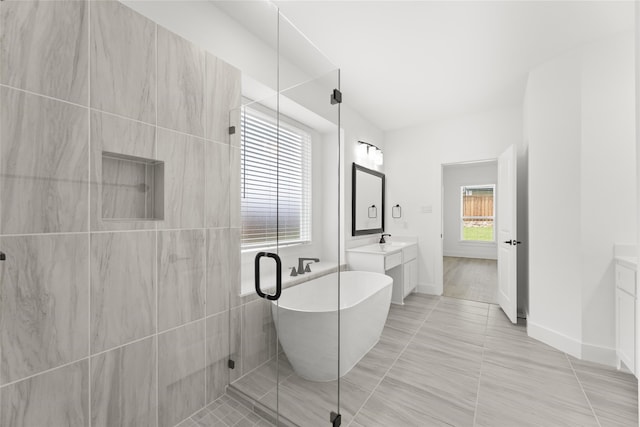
pixel 461 217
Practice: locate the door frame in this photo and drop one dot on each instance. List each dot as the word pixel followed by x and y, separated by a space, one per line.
pixel 439 270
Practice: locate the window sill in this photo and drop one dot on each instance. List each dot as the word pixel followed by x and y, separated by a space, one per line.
pixel 273 247
pixel 477 243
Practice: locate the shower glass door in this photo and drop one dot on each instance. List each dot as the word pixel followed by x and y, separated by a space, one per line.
pixel 285 219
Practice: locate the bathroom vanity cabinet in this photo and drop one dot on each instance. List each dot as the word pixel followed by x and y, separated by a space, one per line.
pixel 626 312
pixel 395 259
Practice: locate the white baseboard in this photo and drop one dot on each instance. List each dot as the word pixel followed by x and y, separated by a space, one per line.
pixel 554 339
pixel 429 289
pixel 461 254
pixel 599 354
pixel 576 348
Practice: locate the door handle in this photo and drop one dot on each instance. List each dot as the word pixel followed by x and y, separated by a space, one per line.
pixel 512 242
pixel 278 275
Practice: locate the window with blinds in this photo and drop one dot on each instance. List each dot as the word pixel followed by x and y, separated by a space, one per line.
pixel 275 180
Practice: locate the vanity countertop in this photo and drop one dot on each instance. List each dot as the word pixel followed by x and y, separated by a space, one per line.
pixel 382 249
pixel 627 261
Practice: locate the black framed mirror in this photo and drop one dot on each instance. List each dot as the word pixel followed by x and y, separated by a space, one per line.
pixel 367 201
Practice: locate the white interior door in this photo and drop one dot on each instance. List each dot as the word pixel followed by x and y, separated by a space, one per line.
pixel 507 238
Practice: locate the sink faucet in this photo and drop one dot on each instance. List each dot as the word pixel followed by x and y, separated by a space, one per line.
pixel 382 241
pixel 301 261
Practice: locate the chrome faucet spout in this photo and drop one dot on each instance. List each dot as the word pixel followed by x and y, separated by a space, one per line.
pixel 301 261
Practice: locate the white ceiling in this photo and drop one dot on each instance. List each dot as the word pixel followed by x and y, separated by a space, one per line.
pixel 407 62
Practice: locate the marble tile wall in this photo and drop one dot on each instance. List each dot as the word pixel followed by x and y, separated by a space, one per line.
pixel 106 321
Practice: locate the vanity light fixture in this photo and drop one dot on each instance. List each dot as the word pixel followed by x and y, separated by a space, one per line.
pixel 371 152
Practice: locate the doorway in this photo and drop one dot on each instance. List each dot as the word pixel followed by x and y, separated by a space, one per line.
pixel 470 268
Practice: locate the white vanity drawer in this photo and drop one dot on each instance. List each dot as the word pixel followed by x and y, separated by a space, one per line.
pixel 392 260
pixel 410 252
pixel 626 279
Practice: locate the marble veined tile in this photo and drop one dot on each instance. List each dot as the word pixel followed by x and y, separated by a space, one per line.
pixel 258 332
pixel 43 48
pixel 218 269
pixel 223 94
pixel 613 399
pixel 183 158
pixel 123 61
pixel 217 355
pixel 44 303
pixel 380 411
pixel 507 397
pixel 123 386
pixel 217 184
pixel 181 67
pixel 123 288
pixel 181 277
pixel 44 173
pixel 113 134
pixel 235 343
pixel 55 398
pixel 181 373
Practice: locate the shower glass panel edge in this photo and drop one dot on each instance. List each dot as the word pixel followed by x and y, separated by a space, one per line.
pixel 263 375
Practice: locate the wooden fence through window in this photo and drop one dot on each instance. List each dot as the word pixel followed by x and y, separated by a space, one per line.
pixel 477 206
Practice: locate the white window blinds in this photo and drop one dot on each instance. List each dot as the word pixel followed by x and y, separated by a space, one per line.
pixel 275 180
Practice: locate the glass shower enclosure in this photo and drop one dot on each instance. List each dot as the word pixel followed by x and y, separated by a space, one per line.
pixel 165 167
pixel 284 317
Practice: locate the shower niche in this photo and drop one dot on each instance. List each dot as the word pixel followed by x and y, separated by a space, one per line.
pixel 132 188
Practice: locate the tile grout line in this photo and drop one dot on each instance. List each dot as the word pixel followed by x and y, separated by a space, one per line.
pixel 66 365
pixel 206 242
pixel 583 392
pixel 90 412
pixel 109 113
pixel 484 348
pixel 100 353
pixel 139 230
pixel 395 360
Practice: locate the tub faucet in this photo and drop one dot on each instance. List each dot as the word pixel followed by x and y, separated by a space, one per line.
pixel 382 241
pixel 301 269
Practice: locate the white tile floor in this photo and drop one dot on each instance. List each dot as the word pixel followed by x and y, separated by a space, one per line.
pixel 444 361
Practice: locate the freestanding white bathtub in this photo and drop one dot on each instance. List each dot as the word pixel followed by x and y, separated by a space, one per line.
pixel 306 319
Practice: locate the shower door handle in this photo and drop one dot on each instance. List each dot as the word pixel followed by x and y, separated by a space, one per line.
pixel 278 275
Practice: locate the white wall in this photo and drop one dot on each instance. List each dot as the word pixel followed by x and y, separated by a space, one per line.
pixel 413 159
pixel 580 129
pixel 208 26
pixel 358 129
pixel 454 177
pixel 607 163
pixel 553 125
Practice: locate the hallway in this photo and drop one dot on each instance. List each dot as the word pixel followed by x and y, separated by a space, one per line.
pixel 471 279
